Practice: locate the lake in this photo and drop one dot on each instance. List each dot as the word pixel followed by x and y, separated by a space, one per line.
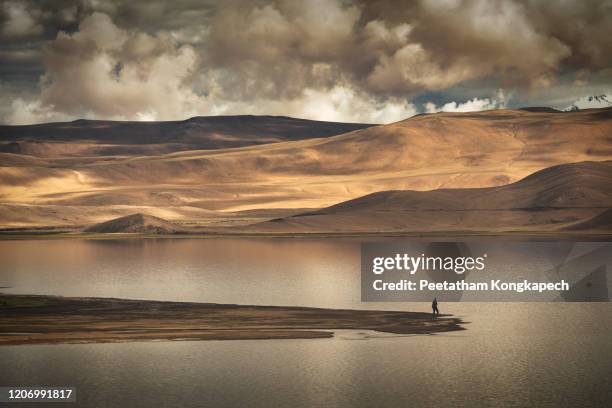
pixel 512 354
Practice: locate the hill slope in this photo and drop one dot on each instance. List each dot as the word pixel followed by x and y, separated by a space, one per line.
pixel 600 222
pixel 107 138
pixel 135 223
pixel 546 200
pixel 425 152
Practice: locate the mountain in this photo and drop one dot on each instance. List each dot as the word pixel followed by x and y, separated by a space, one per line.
pixel 425 152
pixel 107 138
pixel 135 223
pixel 589 102
pixel 547 200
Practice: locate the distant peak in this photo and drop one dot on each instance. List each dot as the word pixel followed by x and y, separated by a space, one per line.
pixel 589 102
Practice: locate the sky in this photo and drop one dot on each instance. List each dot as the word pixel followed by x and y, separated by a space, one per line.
pixel 355 61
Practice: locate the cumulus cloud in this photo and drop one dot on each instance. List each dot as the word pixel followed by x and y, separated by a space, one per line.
pixel 476 39
pixel 339 104
pixel 19 20
pixel 475 104
pixel 24 112
pixel 471 105
pixel 102 70
pixel 329 59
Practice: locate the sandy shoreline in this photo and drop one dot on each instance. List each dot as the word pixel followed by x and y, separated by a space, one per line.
pixel 442 235
pixel 34 319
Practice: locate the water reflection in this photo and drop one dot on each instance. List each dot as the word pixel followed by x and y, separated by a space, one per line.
pixel 536 354
pixel 521 354
pixel 279 272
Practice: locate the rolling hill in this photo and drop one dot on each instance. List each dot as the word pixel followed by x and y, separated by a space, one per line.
pixel 110 138
pixel 135 223
pixel 600 222
pixel 574 196
pixel 425 152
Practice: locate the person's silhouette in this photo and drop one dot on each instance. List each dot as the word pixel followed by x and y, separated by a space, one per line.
pixel 434 307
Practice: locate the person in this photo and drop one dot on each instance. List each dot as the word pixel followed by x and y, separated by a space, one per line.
pixel 434 307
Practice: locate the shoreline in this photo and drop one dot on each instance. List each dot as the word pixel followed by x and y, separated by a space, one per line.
pixel 39 319
pixel 518 235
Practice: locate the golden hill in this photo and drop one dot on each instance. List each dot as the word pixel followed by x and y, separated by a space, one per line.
pixel 135 223
pixel 573 197
pixel 425 152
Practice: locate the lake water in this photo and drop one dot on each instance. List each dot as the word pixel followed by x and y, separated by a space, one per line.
pixel 512 354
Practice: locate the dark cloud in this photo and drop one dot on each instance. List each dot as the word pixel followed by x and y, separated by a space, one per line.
pixel 328 59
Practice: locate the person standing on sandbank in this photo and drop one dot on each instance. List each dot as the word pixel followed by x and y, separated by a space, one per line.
pixel 434 307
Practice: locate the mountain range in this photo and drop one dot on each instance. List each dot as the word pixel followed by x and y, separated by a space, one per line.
pixel 253 169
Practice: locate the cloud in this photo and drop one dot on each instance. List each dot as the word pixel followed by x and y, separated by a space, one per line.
pixel 19 20
pixel 471 105
pixel 24 112
pixel 339 104
pixel 475 104
pixel 279 49
pixel 104 71
pixel 476 39
pixel 357 60
pixel 434 47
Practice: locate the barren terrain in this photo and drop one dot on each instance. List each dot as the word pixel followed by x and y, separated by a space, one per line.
pixel 216 186
pixel 569 197
pixel 48 319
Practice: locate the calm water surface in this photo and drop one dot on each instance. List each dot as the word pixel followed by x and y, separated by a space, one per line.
pixel 513 354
